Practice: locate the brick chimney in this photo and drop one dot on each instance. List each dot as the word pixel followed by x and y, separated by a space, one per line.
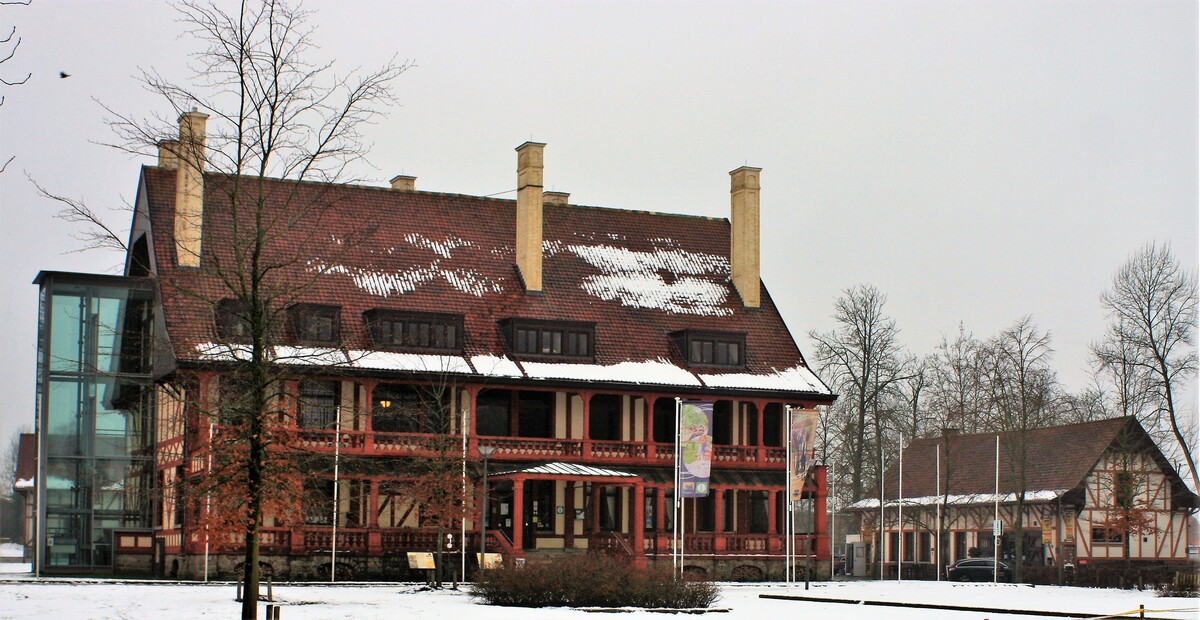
pixel 555 198
pixel 529 214
pixel 189 188
pixel 168 154
pixel 743 242
pixel 404 183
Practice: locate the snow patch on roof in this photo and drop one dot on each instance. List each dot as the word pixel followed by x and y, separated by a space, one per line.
pixel 23 483
pixel 410 362
pixel 636 279
pixel 217 352
pixel 797 379
pixel 496 366
pixel 649 372
pixel 310 356
pixel 384 283
pixel 958 500
pixel 442 248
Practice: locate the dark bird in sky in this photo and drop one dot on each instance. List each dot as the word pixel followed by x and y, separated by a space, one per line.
pixel 63 74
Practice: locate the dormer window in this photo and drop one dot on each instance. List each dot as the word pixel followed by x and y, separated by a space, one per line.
pixel 232 323
pixel 718 349
pixel 399 330
pixel 316 324
pixel 529 339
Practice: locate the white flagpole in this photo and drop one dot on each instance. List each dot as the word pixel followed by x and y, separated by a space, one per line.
pixel 937 467
pixel 462 541
pixel 832 519
pixel 882 559
pixel 677 503
pixel 789 525
pixel 900 512
pixel 996 518
pixel 208 502
pixel 337 444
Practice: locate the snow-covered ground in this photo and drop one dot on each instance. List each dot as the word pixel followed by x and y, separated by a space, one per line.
pixel 10 559
pixel 101 600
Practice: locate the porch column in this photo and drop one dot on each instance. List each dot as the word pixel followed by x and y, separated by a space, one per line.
pixel 595 508
pixel 821 522
pixel 518 538
pixel 773 520
pixel 719 529
pixel 586 397
pixel 639 525
pixel 569 514
pixel 660 509
pixel 761 454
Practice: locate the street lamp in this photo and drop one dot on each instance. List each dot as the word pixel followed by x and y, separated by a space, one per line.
pixel 485 452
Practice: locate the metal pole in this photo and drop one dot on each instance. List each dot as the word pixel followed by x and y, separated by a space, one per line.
pixel 485 452
pixel 208 502
pixel 937 466
pixel 462 544
pixel 789 526
pixel 1058 547
pixel 881 530
pixel 677 504
pixel 996 519
pixel 337 444
pixel 832 519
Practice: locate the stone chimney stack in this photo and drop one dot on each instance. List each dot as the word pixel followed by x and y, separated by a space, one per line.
pixel 189 188
pixel 555 198
pixel 743 242
pixel 529 214
pixel 404 183
pixel 168 154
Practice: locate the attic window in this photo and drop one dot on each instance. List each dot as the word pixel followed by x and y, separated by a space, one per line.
pixel 316 324
pixel 530 339
pixel 396 329
pixel 718 349
pixel 232 323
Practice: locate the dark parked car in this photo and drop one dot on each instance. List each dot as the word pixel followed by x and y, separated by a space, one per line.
pixel 978 569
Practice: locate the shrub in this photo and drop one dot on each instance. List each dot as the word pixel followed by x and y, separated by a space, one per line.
pixel 591 580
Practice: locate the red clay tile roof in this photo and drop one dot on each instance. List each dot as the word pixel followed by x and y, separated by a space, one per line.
pixel 1060 459
pixel 638 276
pixel 26 460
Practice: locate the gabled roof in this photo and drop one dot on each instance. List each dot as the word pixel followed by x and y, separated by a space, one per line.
pixel 1060 459
pixel 638 276
pixel 26 462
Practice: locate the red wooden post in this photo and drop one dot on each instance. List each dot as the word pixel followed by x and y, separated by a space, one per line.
pixel 821 525
pixel 518 512
pixel 639 525
pixel 586 397
pixel 719 529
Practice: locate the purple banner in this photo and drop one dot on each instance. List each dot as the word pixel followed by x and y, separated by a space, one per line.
pixel 695 447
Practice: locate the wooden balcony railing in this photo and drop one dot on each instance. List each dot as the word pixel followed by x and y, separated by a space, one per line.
pixel 536 448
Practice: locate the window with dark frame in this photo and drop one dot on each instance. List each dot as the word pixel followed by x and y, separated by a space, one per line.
pixel 399 330
pixel 316 407
pixel 718 349
pixel 550 339
pixel 316 324
pixel 232 323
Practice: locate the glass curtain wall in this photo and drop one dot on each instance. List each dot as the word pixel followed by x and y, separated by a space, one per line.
pixel 94 415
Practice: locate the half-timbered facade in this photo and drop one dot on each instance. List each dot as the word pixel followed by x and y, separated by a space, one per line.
pixel 1095 491
pixel 554 337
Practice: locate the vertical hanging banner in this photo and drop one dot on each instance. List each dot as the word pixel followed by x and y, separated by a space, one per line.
pixel 695 448
pixel 802 432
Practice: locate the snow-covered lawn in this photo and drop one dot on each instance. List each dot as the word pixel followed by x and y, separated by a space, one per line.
pixel 100 600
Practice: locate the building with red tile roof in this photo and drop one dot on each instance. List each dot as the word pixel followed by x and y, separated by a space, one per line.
pixel 560 337
pixel 1072 480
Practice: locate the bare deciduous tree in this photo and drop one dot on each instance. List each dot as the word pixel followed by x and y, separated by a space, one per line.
pixel 862 360
pixel 1021 387
pixel 1150 343
pixel 274 113
pixel 8 49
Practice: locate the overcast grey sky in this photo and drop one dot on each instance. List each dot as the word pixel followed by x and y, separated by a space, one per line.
pixel 977 161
